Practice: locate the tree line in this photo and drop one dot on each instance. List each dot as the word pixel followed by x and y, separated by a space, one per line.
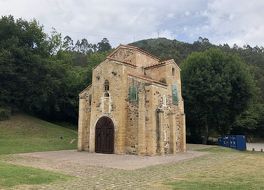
pixel 43 74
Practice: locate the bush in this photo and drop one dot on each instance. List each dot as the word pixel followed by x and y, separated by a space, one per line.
pixel 5 113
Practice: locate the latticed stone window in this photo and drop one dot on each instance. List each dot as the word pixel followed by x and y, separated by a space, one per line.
pixel 106 85
pixel 90 100
pixel 133 94
pixel 175 98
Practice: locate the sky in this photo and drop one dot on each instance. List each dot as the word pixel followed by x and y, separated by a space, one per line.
pixel 123 21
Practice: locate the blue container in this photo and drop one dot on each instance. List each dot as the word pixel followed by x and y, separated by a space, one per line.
pixel 241 142
pixel 226 141
pixel 233 141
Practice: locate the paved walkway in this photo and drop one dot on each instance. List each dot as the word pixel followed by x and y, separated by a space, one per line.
pixel 125 162
pixel 102 171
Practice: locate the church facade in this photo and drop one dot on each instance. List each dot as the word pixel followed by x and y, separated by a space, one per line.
pixel 133 106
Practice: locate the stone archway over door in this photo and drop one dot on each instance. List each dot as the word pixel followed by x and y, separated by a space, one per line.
pixel 104 136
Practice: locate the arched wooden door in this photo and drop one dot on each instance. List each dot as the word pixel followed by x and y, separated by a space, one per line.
pixel 104 136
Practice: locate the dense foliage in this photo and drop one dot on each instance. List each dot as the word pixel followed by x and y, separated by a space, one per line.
pixel 44 74
pixel 217 88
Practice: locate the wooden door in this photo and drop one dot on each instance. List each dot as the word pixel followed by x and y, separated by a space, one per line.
pixel 104 136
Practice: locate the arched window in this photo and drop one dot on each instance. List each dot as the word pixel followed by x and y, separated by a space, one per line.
pixel 175 98
pixel 133 96
pixel 173 71
pixel 106 85
pixel 106 94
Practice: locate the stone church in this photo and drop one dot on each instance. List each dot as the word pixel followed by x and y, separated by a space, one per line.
pixel 133 106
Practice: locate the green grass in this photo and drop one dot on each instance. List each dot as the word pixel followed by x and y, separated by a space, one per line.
pixel 23 133
pixel 223 168
pixel 12 175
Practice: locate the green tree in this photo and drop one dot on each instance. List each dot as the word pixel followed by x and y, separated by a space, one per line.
pixel 55 42
pixel 43 74
pixel 250 122
pixel 67 43
pixel 85 46
pixel 217 87
pixel 24 49
pixel 104 45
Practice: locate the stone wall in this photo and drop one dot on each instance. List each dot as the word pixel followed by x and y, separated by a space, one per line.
pixel 85 100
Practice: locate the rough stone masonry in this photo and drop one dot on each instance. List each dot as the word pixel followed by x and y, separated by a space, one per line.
pixel 133 106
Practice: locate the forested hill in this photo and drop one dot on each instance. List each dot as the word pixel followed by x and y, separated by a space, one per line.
pixel 166 49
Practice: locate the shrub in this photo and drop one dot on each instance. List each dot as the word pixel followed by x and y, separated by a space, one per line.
pixel 5 113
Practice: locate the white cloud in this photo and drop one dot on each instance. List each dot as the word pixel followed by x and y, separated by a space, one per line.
pixel 123 21
pixel 238 22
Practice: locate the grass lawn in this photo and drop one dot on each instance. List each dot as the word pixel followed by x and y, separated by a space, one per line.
pixel 12 175
pixel 223 169
pixel 23 133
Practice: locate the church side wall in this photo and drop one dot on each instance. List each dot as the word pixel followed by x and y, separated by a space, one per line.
pixel 84 119
pixel 141 128
pixel 155 125
pixel 85 99
pixel 132 120
pixel 81 124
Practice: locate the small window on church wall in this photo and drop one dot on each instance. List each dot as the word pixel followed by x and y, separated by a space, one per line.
pixel 133 96
pixel 90 99
pixel 106 85
pixel 175 98
pixel 173 71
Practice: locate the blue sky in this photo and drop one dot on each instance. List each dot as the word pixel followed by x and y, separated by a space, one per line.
pixel 122 21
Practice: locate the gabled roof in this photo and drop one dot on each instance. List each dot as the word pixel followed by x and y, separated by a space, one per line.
pixel 84 90
pixel 156 63
pixel 133 48
pixel 121 62
pixel 171 61
pixel 163 63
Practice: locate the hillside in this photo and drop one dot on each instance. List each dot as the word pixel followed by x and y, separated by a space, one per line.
pixel 24 133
